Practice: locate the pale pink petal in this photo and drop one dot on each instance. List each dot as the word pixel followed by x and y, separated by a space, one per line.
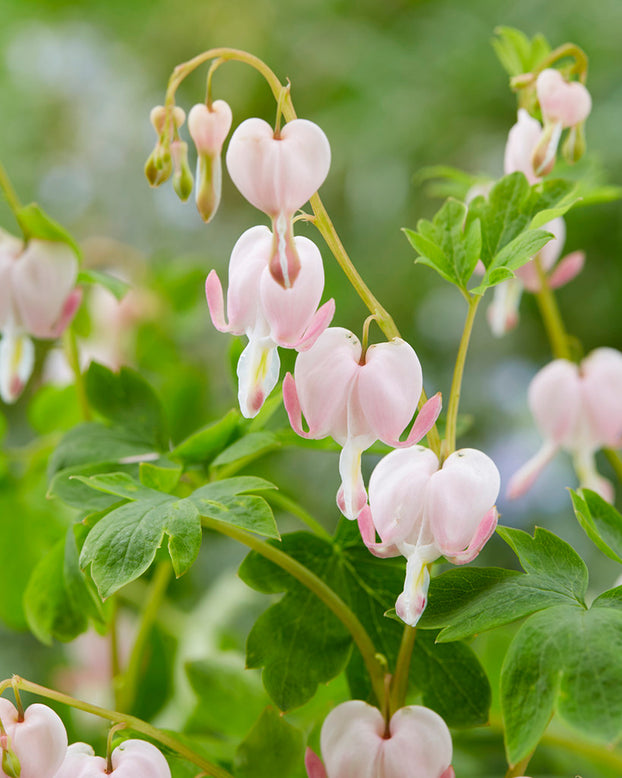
pixel 352 497
pixel 258 372
pixel 589 478
pixel 420 744
pixel 555 399
pixel 388 388
pixel 482 536
pixel 602 396
pixel 525 478
pixel 368 535
pixel 324 376
pixel 278 175
pixel 568 103
pixel 39 741
pixel 292 406
pixel 249 258
pixel 10 249
pixel 43 277
pixel 351 738
pixel 426 419
pixel 284 262
pixel 17 361
pixel 459 495
pixel 289 311
pixel 216 303
pixel 139 759
pixel 70 308
pixel 412 601
pixel 568 268
pixel 502 313
pixel 320 321
pixel 397 495
pixel 449 773
pixel 313 765
pixel 209 127
pixel 545 152
pixel 522 139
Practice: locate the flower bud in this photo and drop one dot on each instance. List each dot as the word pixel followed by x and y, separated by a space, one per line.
pixel 132 759
pixel 562 102
pixel 574 146
pixel 208 128
pixel 182 176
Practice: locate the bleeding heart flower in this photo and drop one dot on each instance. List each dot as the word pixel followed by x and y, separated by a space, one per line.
pixel 522 140
pixel 278 174
pixel 39 741
pixel 355 744
pixel 132 759
pixel 577 408
pixel 423 513
pixel 564 105
pixel 209 126
pixel 357 401
pixel 503 311
pixel 37 297
pixel 269 314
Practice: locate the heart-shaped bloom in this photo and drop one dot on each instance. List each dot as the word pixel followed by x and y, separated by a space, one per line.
pixel 37 297
pixel 357 401
pixel 577 408
pixel 564 105
pixel 355 744
pixel 503 311
pixel 278 174
pixel 132 759
pixel 266 312
pixel 208 127
pixel 39 742
pixel 423 512
pixel 522 140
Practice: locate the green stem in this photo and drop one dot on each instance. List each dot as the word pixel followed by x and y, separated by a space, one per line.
pixel 129 680
pixel 287 504
pixel 320 589
pixel 551 317
pixel 138 725
pixel 115 665
pixel 12 199
pixel 519 768
pixel 73 357
pixel 615 461
pixel 399 685
pixel 456 384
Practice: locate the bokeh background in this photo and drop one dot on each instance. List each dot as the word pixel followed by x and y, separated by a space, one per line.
pixel 397 86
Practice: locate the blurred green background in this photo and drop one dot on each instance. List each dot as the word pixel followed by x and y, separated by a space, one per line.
pixel 396 86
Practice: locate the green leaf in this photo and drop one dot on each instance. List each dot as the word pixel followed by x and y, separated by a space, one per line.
pixel 600 520
pixel 565 658
pixel 161 477
pixel 54 408
pixel 250 446
pixel 447 244
pixel 246 511
pixel 92 443
pixel 510 218
pixel 127 400
pixel 300 643
pixel 123 544
pixel 203 445
pixel 78 493
pixel 230 698
pixel 37 224
pixel 272 748
pixel 453 682
pixel 59 600
pixel 114 285
pixel 229 487
pixel 466 601
pixel 516 52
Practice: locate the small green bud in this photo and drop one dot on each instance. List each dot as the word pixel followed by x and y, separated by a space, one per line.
pixel 10 763
pixel 182 177
pixel 574 145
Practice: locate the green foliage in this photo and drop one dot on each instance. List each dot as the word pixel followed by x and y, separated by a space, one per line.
pixel 516 52
pixel 501 230
pixel 600 520
pixel 465 601
pixel 59 600
pixel 247 448
pixel 283 755
pixel 300 643
pixel 566 659
pixel 114 285
pixel 445 181
pixel 203 445
pixel 36 223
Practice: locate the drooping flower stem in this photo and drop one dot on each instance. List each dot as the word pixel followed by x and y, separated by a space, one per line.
pixel 456 384
pixel 127 685
pixel 70 344
pixel 551 317
pixel 519 768
pixel 315 584
pixel 210 769
pixel 399 684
